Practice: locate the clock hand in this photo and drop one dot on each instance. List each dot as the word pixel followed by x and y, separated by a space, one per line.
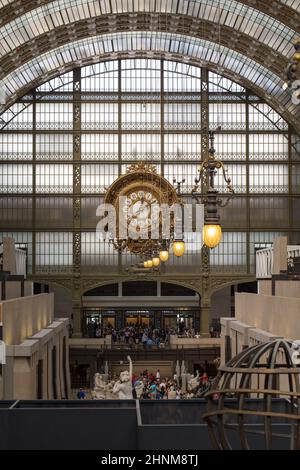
pixel 142 207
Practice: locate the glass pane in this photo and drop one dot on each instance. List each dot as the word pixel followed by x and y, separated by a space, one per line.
pixel 140 116
pixel 54 147
pixel 54 251
pixel 141 147
pixel 99 147
pixel 54 116
pixel 231 254
pixel 15 178
pixel 182 116
pixel 268 147
pixel 97 178
pixel 16 146
pixel 266 178
pixel 54 178
pixel 183 147
pixel 99 116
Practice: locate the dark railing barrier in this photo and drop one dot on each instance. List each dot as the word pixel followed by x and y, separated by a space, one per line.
pixel 120 424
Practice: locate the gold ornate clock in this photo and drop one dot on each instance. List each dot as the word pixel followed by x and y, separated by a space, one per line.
pixel 134 196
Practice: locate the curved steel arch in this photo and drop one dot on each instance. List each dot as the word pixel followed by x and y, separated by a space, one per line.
pixel 244 28
pixel 269 16
pixel 105 24
pixel 278 9
pixel 235 66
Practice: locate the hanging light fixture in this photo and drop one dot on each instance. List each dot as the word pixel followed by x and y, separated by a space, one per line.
pixel 156 261
pixel 164 255
pixel 164 251
pixel 178 248
pixel 212 231
pixel 212 235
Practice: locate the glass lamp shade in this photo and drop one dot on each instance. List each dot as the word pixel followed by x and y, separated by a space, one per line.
pixel 178 248
pixel 150 263
pixel 212 235
pixel 164 255
pixel 156 261
pixel 145 264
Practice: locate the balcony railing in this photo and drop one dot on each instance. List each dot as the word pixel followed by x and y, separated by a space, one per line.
pixel 265 260
pixel 21 262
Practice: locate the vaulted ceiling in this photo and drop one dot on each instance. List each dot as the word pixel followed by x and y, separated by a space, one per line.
pixel 249 41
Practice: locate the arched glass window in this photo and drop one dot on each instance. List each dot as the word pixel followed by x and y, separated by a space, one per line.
pixel 63 144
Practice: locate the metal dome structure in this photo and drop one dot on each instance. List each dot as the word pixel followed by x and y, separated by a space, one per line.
pixel 256 394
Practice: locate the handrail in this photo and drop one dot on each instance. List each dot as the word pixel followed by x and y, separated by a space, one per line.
pixel 265 260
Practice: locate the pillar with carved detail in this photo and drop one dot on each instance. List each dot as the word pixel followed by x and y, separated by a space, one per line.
pixel 206 292
pixel 205 316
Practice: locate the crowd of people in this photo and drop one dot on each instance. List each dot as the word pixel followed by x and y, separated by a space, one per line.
pixel 149 386
pixel 146 335
pixel 131 335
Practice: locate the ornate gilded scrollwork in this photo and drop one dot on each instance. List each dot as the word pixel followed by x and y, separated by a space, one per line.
pixel 142 188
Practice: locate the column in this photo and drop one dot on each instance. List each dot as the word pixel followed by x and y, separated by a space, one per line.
pixel 33 265
pixel 76 202
pixel 205 268
pixel 158 289
pixel 77 327
pixel 205 316
pixel 206 295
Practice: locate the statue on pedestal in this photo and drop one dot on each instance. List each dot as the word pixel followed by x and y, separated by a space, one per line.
pixel 123 387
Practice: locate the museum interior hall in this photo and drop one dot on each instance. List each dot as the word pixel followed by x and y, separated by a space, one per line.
pixel 150 224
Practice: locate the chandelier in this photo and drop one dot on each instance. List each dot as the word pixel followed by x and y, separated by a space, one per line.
pixel 206 193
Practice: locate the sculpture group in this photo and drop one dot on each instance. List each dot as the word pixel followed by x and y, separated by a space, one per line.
pixel 190 386
pixel 122 389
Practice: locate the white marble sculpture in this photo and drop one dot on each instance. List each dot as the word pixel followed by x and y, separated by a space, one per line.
pixel 123 387
pixel 99 387
pixel 193 383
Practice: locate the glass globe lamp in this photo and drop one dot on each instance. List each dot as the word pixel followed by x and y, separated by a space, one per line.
pixel 178 248
pixel 212 235
pixel 156 261
pixel 164 255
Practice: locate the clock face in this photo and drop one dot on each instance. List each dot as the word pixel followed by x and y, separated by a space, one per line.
pixel 137 197
pixel 138 210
